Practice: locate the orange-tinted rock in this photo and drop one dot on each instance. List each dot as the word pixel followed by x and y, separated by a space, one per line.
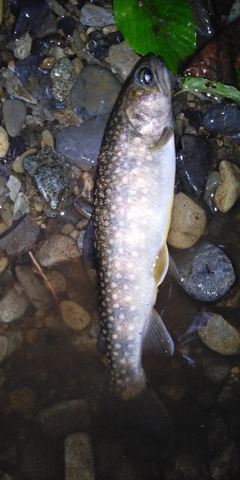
pixel 216 59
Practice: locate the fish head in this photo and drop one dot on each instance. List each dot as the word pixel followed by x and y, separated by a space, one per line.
pixel 147 94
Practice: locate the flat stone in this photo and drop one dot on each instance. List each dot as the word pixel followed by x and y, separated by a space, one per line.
pixel 37 293
pixel 122 59
pixel 20 237
pixel 188 222
pixel 80 144
pixel 79 461
pixel 94 92
pixel 63 418
pixel 4 143
pixel 14 115
pixel 57 249
pixel 92 15
pixel 74 315
pixel 13 306
pixel 228 192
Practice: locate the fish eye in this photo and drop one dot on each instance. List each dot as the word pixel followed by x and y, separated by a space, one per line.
pixel 145 76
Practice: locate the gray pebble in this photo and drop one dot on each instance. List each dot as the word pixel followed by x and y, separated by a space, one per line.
pixel 94 92
pixel 81 144
pixel 37 293
pixel 21 206
pixel 62 76
pixel 122 59
pixel 92 15
pixel 14 115
pixel 13 306
pixel 222 119
pixel 205 272
pixel 79 461
pixel 20 237
pixel 3 347
pixel 64 417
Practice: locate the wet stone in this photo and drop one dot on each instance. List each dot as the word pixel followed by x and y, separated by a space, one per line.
pixel 21 206
pixel 52 175
pixel 122 59
pixel 20 237
pixel 94 92
pixel 12 306
pixel 14 114
pixel 57 249
pixel 23 46
pixel 3 347
pixel 219 335
pixel 74 315
pixel 97 16
pixel 81 143
pixel 62 77
pixel 14 186
pixel 223 119
pixel 188 222
pixel 205 272
pixel 64 417
pixel 4 144
pixel 194 162
pixel 31 16
pixel 37 293
pixel 79 461
pixel 228 192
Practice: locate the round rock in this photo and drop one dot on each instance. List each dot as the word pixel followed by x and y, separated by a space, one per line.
pixel 188 222
pixel 228 192
pixel 74 315
pixel 205 272
pixel 4 144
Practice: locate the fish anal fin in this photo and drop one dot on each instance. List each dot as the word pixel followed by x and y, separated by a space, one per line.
pixel 161 266
pixel 157 338
pixel 163 139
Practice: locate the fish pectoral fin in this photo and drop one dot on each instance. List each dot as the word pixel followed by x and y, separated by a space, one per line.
pixel 157 338
pixel 165 137
pixel 161 266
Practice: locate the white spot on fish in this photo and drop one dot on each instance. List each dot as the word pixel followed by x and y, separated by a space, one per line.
pixel 115 336
pixel 117 346
pixel 116 305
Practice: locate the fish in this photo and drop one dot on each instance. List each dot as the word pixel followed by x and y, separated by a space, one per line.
pixel 131 218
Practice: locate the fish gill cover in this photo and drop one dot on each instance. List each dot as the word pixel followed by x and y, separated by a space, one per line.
pixel 163 27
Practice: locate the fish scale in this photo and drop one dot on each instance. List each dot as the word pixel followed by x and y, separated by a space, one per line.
pixel 134 194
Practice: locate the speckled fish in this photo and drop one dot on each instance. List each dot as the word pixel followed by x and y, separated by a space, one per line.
pixel 134 195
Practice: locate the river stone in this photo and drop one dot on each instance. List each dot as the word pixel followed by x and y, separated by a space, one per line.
pixel 205 272
pixel 81 143
pixel 4 143
pixel 53 177
pixel 122 59
pixel 223 119
pixel 219 335
pixel 12 306
pixel 79 461
pixel 188 222
pixel 62 418
pixel 94 92
pixel 14 115
pixel 3 347
pixel 74 315
pixel 20 237
pixel 57 249
pixel 228 192
pixel 194 162
pixel 93 15
pixel 37 293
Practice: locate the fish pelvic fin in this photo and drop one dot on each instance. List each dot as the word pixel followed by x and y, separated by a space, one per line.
pixel 157 338
pixel 163 139
pixel 161 266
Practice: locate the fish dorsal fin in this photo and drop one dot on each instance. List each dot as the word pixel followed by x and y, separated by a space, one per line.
pixel 163 139
pixel 161 265
pixel 157 339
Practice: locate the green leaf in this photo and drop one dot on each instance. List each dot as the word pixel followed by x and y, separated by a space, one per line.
pixel 164 27
pixel 197 84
